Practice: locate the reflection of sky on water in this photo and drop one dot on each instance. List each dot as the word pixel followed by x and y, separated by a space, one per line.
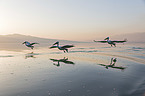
pixel 38 76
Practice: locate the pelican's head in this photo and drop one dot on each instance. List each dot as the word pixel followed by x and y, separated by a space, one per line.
pixel 106 38
pixel 56 43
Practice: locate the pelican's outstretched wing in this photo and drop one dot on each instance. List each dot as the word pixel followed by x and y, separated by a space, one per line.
pixel 34 43
pixel 101 41
pixel 122 68
pixel 68 62
pixel 102 64
pixel 54 60
pixel 125 40
pixel 67 46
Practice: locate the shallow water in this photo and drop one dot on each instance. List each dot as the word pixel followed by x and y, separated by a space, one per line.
pixel 81 72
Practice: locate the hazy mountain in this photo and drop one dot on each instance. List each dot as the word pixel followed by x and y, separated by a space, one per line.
pixel 131 37
pixel 18 38
pixel 14 42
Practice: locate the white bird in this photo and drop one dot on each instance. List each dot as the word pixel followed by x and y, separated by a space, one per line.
pixel 64 48
pixel 111 42
pixel 29 44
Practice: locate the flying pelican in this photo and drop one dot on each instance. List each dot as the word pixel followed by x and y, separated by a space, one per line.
pixel 111 42
pixel 64 48
pixel 29 44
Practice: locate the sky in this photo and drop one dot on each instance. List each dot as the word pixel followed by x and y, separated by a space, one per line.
pixel 78 20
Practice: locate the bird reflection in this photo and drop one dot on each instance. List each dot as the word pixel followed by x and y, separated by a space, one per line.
pixel 30 55
pixel 64 60
pixel 112 64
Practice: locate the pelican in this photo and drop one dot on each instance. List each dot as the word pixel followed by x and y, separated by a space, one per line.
pixel 28 44
pixel 111 42
pixel 64 48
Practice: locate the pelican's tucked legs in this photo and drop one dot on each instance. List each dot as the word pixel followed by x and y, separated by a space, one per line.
pixel 32 47
pixel 66 50
pixel 114 45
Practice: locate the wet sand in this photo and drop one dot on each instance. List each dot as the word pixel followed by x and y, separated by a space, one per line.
pixel 84 71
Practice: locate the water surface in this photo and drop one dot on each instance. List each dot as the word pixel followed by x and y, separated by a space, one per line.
pixel 81 72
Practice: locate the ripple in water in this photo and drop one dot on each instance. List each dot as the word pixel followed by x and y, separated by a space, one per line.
pixel 6 56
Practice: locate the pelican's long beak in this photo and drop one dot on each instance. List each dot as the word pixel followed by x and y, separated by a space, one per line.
pixel 55 43
pixel 23 42
pixel 106 38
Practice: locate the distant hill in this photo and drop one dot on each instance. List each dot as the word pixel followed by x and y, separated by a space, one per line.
pixel 14 42
pixel 131 37
pixel 18 38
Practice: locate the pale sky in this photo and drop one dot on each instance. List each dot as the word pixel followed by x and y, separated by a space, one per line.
pixel 72 19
